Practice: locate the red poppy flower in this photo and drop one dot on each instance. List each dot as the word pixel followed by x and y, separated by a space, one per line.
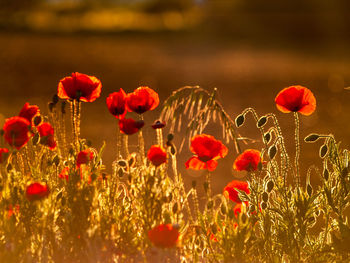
pixel 141 100
pixel 158 125
pixel 207 150
pixel 16 131
pixel 84 157
pixel 4 152
pixel 157 155
pixel 164 235
pixel 29 111
pixel 296 99
pixel 46 133
pixel 116 104
pixel 79 86
pixel 231 192
pixel 130 126
pixel 247 161
pixel 37 191
pixel 64 174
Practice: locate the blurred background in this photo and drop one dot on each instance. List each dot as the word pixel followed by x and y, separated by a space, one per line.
pixel 249 50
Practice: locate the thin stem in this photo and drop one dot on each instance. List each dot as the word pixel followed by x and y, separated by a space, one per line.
pixel 297 148
pixel 141 144
pixel 72 112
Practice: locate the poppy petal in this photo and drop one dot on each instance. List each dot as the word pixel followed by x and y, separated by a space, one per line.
pixel 195 164
pixel 296 99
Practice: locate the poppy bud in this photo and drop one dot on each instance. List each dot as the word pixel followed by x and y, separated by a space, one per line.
pixel 263 205
pixel 323 150
pixel 172 149
pixel 132 160
pixel 120 172
pixel 37 120
pixel 122 163
pixel 223 209
pixel 311 137
pixel 265 197
pixel 239 120
pixel 272 152
pixel 269 186
pixel 261 122
pixel 267 137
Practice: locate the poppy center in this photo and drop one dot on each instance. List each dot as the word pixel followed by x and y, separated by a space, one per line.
pixel 204 158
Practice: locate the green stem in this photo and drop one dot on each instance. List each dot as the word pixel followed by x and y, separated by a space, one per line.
pixel 297 148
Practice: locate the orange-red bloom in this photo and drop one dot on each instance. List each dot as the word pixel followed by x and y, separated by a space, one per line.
pixel 84 157
pixel 231 191
pixel 79 87
pixel 129 126
pixel 46 133
pixel 157 155
pixel 207 150
pixel 296 99
pixel 247 161
pixel 16 131
pixel 141 100
pixel 37 191
pixel 116 104
pixel 4 152
pixel 164 235
pixel 29 111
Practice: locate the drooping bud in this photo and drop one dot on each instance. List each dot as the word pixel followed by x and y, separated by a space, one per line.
pixel 311 137
pixel 272 152
pixel 261 122
pixel 239 120
pixel 323 150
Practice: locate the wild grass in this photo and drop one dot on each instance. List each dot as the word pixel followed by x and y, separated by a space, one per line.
pixel 91 215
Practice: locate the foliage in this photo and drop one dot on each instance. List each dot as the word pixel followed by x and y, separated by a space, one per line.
pixel 91 215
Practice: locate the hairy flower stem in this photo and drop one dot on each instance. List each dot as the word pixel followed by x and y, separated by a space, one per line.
pixel 141 144
pixel 159 137
pixel 297 148
pixel 208 182
pixel 75 118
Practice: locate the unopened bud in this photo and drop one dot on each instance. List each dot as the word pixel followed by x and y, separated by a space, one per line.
pixel 239 120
